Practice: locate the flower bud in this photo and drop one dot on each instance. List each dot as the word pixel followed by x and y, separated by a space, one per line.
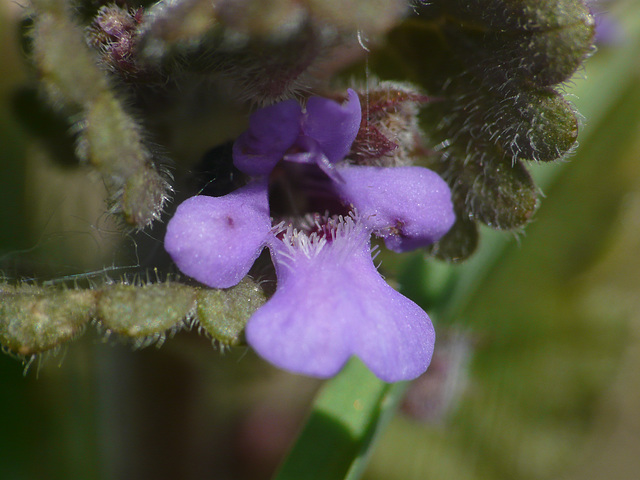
pixel 114 34
pixel 145 313
pixel 34 320
pixel 389 134
pixel 459 243
pixel 516 15
pixel 223 314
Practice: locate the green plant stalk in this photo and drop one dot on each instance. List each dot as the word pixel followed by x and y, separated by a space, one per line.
pixel 348 413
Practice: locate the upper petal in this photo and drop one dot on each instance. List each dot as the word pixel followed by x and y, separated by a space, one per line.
pixel 410 207
pixel 332 125
pixel 330 304
pixel 216 239
pixel 272 131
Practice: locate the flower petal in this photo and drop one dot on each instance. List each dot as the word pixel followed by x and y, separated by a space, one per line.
pixel 272 131
pixel 332 125
pixel 410 207
pixel 216 239
pixel 331 303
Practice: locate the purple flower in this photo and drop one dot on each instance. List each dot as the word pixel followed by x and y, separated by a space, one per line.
pixel 330 301
pixel 609 31
pixel 410 207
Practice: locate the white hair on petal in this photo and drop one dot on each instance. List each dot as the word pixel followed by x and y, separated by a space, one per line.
pixel 318 232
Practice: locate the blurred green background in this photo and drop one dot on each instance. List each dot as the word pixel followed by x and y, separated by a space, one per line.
pixel 538 373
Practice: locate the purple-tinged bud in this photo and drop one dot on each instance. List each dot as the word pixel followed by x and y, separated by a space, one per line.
pixel 114 33
pixel 389 134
